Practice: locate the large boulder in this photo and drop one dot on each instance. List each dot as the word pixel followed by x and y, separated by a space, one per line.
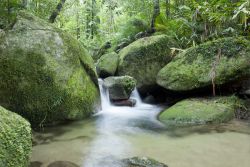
pixel 107 65
pixel 15 139
pixel 222 61
pixel 200 111
pixel 46 76
pixel 144 58
pixel 119 88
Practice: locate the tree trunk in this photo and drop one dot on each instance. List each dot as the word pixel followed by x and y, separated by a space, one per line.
pixel 56 11
pixel 92 18
pixel 9 11
pixel 87 28
pixel 24 4
pixel 155 14
pixel 168 12
pixel 246 27
pixel 78 30
pixel 37 5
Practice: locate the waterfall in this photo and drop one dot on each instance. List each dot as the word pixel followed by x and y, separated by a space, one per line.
pixel 112 123
pixel 106 104
pixel 104 95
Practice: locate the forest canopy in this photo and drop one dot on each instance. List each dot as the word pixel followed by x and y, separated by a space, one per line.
pixel 96 22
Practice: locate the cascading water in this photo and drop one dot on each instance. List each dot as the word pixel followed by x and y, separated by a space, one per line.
pixel 112 123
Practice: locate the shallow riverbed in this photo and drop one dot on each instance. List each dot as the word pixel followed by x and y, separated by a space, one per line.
pixel 207 146
pixel 124 132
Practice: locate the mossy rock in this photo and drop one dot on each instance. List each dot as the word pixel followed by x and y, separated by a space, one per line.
pixel 15 139
pixel 107 65
pixel 141 162
pixel 144 58
pixel 226 60
pixel 46 76
pixel 200 111
pixel 119 88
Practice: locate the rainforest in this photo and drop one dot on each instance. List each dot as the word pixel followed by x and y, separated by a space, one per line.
pixel 124 83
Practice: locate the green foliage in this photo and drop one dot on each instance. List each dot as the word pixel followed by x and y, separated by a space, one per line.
pixel 94 22
pixel 179 29
pixel 194 22
pixel 129 29
pixel 8 11
pixel 41 8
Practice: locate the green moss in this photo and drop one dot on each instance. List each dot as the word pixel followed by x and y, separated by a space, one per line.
pixel 74 49
pixel 120 88
pixel 107 65
pixel 144 58
pixel 46 76
pixel 15 140
pixel 81 103
pixel 200 111
pixel 193 68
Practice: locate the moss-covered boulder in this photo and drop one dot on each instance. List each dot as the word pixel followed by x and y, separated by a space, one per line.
pixel 119 88
pixel 142 162
pixel 224 60
pixel 15 139
pixel 144 58
pixel 200 111
pixel 107 65
pixel 46 76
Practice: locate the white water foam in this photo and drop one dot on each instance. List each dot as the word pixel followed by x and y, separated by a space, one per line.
pixel 112 122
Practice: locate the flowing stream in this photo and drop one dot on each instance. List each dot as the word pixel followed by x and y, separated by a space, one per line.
pixel 113 122
pixel 123 132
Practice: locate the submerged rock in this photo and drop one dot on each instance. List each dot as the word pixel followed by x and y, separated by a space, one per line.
pixel 63 164
pixel 142 162
pixel 224 60
pixel 144 58
pixel 119 88
pixel 46 76
pixel 129 103
pixel 36 164
pixel 129 162
pixel 15 140
pixel 107 65
pixel 200 111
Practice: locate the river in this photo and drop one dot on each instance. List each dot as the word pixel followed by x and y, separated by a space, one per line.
pixel 123 132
